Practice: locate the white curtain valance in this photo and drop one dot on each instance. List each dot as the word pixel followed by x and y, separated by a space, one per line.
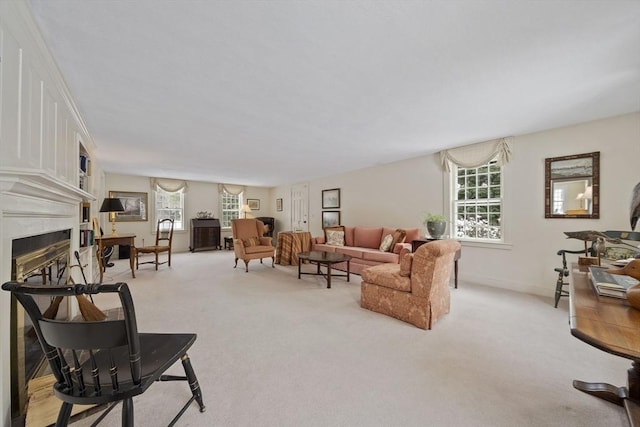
pixel 231 189
pixel 474 155
pixel 170 185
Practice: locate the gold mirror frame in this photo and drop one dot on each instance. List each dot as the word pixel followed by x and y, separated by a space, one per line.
pixel 575 177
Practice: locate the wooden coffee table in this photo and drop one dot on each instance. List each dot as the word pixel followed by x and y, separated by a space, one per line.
pixel 324 258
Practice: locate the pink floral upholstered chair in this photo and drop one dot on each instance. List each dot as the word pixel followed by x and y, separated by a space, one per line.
pixel 417 289
pixel 249 243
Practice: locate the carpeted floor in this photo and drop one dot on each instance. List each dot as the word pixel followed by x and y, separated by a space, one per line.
pixel 273 350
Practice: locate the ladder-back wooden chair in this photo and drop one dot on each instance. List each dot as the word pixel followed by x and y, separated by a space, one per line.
pixel 164 238
pixel 105 362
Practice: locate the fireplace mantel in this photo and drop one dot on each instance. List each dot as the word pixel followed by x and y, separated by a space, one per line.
pixel 40 184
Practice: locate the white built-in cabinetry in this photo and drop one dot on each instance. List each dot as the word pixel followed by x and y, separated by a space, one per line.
pixel 42 137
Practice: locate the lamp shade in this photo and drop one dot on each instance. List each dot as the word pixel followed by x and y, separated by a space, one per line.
pixel 111 205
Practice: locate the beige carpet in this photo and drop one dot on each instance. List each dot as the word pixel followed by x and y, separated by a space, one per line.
pixel 273 350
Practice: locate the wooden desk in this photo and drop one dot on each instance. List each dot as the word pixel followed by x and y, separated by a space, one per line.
pixel 610 325
pixel 415 244
pixel 290 244
pixel 109 241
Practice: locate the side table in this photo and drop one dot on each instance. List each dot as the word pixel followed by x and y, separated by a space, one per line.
pixel 415 244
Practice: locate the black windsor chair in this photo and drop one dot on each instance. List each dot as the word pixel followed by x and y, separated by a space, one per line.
pixel 105 362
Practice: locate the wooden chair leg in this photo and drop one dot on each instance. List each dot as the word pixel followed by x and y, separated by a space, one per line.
pixel 193 381
pixel 64 414
pixel 246 266
pixel 127 413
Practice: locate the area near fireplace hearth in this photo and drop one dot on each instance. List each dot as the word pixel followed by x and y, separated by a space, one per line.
pixel 49 184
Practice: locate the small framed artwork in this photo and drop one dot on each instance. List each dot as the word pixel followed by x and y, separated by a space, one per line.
pixel 331 198
pixel 135 206
pixel 254 204
pixel 279 205
pixel 330 218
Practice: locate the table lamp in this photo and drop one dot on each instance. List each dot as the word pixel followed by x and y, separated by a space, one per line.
pixel 245 209
pixel 112 205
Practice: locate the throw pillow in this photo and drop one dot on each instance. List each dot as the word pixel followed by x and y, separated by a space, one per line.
pixel 405 265
pixel 398 237
pixel 335 238
pixel 251 241
pixel 386 243
pixel 334 228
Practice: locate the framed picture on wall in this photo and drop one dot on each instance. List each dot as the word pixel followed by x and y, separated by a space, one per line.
pixel 279 205
pixel 330 218
pixel 331 198
pixel 135 206
pixel 254 204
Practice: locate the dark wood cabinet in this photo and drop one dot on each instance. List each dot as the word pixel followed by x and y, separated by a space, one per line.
pixel 205 234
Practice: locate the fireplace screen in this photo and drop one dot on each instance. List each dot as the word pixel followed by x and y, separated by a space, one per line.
pixel 39 260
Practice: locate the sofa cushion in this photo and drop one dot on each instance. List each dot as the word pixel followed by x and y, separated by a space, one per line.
pixel 386 243
pixel 335 238
pixel 412 234
pixel 378 256
pixel 323 247
pixel 353 252
pixel 367 237
pixel 348 236
pixel 387 276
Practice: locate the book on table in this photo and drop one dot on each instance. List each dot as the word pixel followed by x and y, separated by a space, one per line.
pixel 611 285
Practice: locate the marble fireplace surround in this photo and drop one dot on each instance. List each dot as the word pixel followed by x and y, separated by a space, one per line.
pixel 31 203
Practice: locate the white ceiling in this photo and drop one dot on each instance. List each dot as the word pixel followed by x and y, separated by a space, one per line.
pixel 273 92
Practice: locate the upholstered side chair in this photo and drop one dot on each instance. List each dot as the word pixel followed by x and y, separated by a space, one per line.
pixel 416 290
pixel 249 242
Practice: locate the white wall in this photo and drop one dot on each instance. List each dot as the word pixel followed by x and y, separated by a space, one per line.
pixel 200 196
pixel 397 194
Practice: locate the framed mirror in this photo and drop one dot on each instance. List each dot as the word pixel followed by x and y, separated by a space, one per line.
pixel 572 186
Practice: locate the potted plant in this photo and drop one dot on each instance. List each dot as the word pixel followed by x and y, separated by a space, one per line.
pixel 436 225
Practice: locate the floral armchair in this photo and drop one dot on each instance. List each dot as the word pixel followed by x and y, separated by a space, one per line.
pixel 249 243
pixel 416 290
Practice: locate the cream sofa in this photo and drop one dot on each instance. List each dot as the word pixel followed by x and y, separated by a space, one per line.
pixel 363 245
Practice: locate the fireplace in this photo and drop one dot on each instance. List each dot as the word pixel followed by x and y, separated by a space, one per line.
pixel 41 260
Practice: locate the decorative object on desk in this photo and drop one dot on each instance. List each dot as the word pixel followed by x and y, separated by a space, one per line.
pixel 245 209
pixel 112 205
pixel 204 214
pixel 279 205
pixel 330 218
pixel 631 269
pixel 600 247
pixel 254 204
pixel 572 186
pixel 436 225
pixel 331 198
pixel 135 206
pixel 634 213
pixel 589 236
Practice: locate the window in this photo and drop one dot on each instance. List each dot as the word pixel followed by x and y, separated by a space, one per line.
pixel 477 202
pixel 558 201
pixel 170 204
pixel 231 204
